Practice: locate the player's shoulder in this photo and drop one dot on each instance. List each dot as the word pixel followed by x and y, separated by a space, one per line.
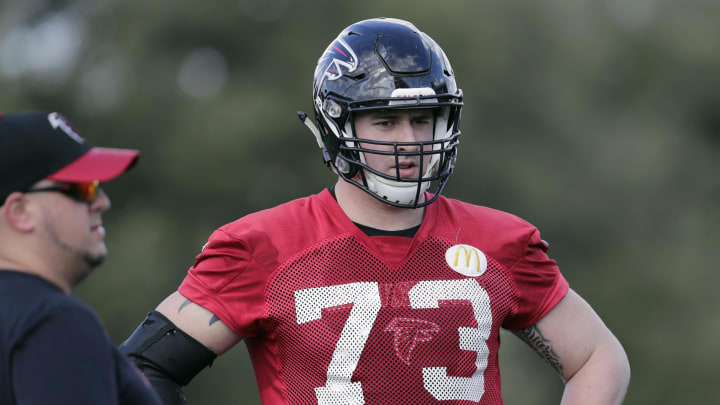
pixel 288 213
pixel 274 233
pixel 303 218
pixel 460 212
pixel 500 234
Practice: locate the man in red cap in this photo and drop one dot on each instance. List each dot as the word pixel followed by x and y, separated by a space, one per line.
pixel 53 347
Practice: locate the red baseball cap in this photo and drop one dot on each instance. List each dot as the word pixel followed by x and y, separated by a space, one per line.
pixel 101 164
pixel 41 145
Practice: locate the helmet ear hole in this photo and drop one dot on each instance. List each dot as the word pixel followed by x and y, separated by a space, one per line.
pixel 346 166
pixel 342 165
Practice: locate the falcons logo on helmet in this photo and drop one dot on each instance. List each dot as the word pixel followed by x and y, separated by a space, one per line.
pixel 337 59
pixel 408 333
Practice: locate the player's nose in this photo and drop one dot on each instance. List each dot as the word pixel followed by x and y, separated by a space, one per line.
pixel 406 134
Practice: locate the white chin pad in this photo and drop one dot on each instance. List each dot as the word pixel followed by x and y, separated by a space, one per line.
pixel 395 191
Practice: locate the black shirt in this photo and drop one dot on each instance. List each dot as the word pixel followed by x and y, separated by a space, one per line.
pixel 370 231
pixel 54 350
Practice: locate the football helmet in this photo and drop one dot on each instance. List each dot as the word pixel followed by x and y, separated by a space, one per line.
pixel 382 64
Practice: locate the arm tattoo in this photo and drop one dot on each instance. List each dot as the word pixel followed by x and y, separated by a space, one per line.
pixel 532 336
pixel 183 305
pixel 187 302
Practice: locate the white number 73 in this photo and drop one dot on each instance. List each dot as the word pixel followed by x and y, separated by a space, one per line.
pixel 365 297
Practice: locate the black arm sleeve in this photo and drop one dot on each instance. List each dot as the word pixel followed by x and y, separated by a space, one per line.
pixel 170 392
pixel 168 357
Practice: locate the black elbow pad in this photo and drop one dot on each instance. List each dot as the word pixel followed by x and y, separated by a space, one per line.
pixel 158 344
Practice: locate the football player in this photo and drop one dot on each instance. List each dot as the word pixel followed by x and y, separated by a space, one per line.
pixel 379 290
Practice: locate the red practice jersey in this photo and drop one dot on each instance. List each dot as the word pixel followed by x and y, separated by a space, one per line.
pixel 332 316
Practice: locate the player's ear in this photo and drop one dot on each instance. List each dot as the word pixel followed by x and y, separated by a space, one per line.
pixel 17 213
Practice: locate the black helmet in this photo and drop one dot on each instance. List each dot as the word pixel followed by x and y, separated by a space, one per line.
pixel 382 64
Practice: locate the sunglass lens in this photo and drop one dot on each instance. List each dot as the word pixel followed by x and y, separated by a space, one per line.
pixel 86 191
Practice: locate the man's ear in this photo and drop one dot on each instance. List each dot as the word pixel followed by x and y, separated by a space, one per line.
pixel 17 214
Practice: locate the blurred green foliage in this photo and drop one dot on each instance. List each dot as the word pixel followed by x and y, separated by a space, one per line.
pixel 596 120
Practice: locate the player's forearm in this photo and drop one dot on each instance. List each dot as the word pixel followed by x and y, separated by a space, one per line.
pixel 603 379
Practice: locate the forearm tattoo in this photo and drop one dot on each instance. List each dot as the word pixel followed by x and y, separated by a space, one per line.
pixel 532 336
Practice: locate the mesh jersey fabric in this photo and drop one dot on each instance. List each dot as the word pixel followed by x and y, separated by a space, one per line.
pixel 333 316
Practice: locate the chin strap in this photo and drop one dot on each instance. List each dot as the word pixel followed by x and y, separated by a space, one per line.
pixel 315 131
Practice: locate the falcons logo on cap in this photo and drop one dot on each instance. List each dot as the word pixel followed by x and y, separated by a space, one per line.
pixel 408 333
pixel 58 121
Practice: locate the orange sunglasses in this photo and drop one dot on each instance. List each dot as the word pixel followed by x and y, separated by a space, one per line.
pixel 84 192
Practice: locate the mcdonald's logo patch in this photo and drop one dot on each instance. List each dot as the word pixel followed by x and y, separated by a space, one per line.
pixel 466 260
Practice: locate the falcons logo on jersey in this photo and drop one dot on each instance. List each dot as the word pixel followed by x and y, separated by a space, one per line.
pixel 408 333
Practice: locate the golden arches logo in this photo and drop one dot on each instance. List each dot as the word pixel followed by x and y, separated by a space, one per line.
pixel 466 260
